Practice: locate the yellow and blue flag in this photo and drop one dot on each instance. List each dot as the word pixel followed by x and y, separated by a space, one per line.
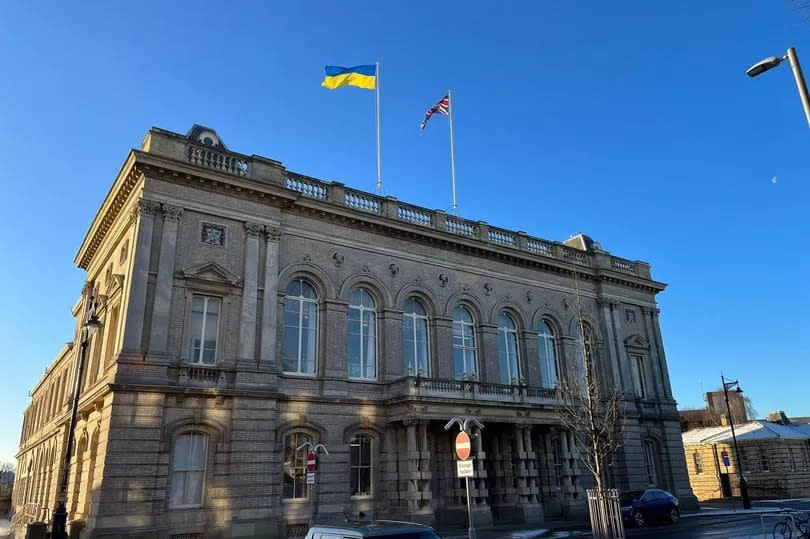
pixel 360 76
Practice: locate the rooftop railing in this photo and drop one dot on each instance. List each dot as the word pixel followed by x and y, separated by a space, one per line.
pixel 471 389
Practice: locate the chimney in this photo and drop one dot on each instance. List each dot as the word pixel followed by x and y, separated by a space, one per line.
pixel 778 417
pixel 724 420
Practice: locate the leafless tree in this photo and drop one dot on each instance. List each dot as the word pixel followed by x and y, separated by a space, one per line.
pixel 591 406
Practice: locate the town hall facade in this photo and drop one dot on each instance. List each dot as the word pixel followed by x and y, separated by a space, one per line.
pixel 246 310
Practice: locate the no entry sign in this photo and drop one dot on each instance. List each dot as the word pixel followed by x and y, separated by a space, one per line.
pixel 463 446
pixel 311 463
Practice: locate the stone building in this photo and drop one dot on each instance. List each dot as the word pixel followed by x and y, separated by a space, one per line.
pixel 775 460
pixel 246 310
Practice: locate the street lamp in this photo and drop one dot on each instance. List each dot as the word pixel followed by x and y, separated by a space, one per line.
pixel 91 324
pixel 743 486
pixel 773 61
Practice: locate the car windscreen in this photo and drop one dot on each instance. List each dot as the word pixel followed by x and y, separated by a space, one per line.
pixel 426 534
pixel 626 498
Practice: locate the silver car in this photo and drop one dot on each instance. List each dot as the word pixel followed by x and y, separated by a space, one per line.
pixel 390 529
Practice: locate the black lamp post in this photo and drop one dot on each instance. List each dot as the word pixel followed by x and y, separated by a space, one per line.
pixel 91 324
pixel 743 486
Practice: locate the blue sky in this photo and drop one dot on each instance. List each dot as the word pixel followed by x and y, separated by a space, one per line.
pixel 631 121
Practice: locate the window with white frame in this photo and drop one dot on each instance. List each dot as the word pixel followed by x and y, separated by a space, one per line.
pixel 204 329
pixel 746 461
pixel 698 462
pixel 360 465
pixel 508 350
pixel 415 334
pixel 294 479
pixel 547 352
pixel 464 344
pixel 637 366
pixel 298 347
pixel 651 462
pixel 764 465
pixel 188 470
pixel 362 335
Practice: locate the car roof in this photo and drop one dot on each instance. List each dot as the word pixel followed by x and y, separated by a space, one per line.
pixel 373 528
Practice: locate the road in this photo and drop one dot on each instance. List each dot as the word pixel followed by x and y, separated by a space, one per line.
pixel 724 526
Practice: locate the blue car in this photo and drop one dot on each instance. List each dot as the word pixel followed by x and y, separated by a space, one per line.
pixel 643 506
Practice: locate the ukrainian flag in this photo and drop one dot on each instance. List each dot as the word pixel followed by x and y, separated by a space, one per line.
pixel 360 76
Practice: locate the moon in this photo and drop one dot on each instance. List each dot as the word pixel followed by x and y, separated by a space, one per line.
pixel 773 180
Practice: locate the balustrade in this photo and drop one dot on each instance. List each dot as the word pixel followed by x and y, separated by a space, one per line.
pixel 502 236
pixel 362 202
pixel 470 389
pixel 210 158
pixel 462 228
pixel 623 265
pixel 307 188
pixel 413 215
pixel 540 247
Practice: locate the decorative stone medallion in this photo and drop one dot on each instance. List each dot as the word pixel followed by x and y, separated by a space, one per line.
pixel 212 234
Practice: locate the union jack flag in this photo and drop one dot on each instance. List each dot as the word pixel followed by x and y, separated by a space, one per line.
pixel 442 107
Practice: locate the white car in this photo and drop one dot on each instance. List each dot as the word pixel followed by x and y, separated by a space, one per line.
pixel 389 529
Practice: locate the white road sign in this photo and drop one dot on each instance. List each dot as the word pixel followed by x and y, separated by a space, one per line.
pixel 311 478
pixel 464 468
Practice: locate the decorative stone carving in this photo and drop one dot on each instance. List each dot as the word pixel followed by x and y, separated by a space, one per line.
pixel 393 270
pixel 172 213
pixel 337 259
pixel 272 233
pixel 253 230
pixel 122 255
pixel 144 206
pixel 602 302
pixel 465 287
pixel 488 289
pixel 418 279
pixel 566 304
pixel 529 296
pixel 306 259
pixel 646 310
pixel 366 268
pixel 443 279
pixel 630 316
pixel 212 234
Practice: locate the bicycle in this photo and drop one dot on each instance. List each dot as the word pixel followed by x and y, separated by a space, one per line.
pixel 792 520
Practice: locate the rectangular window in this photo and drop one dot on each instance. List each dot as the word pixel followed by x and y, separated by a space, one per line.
pixel 746 462
pixel 360 465
pixel 204 329
pixel 294 482
pixel 188 470
pixel 650 462
pixel 763 461
pixel 791 459
pixel 698 463
pixel 556 453
pixel 638 376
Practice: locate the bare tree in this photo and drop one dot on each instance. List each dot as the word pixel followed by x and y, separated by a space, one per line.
pixel 591 407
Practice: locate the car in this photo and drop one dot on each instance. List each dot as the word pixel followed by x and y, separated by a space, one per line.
pixel 643 506
pixel 389 529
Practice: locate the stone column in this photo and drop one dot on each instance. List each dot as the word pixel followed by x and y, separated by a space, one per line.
pixel 530 370
pixel 657 355
pixel 390 492
pixel 412 450
pixel 522 468
pixel 143 217
pixel 336 357
pixel 159 337
pixel 391 360
pixel 488 354
pixel 247 329
pixel 443 348
pixel 614 355
pixel 424 465
pixel 270 299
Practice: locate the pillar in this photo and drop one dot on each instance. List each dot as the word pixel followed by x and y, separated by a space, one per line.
pixel 247 332
pixel 391 363
pixel 488 354
pixel 445 364
pixel 267 354
pixel 614 353
pixel 143 217
pixel 336 356
pixel 657 344
pixel 159 337
pixel 412 465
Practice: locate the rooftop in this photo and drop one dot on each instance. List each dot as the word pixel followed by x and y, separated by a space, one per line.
pixel 750 431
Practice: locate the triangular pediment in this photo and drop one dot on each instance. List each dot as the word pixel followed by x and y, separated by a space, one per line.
pixel 211 271
pixel 636 341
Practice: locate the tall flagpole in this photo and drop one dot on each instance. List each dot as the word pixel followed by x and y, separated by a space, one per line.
pixel 452 150
pixel 379 155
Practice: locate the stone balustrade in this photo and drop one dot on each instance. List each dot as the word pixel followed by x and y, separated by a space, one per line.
pixel 470 389
pixel 217 160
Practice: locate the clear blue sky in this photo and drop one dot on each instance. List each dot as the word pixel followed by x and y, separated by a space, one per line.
pixel 631 121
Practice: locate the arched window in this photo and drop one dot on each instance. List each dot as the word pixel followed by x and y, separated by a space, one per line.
pixel 188 470
pixel 294 481
pixel 415 329
pixel 508 349
pixel 464 344
pixel 651 462
pixel 360 465
pixel 298 348
pixel 362 338
pixel 547 352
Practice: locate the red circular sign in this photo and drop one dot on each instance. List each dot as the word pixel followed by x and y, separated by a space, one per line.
pixel 311 462
pixel 463 446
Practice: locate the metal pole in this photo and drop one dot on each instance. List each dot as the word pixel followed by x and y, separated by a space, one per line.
pixel 743 487
pixel 58 527
pixel 470 524
pixel 797 74
pixel 452 150
pixel 379 155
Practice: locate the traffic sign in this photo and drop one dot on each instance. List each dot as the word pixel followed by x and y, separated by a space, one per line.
pixel 463 446
pixel 311 463
pixel 310 478
pixel 464 468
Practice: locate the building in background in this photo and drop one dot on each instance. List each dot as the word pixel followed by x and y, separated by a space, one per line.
pixel 775 458
pixel 247 310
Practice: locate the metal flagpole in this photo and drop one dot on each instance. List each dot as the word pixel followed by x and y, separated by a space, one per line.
pixel 379 155
pixel 452 150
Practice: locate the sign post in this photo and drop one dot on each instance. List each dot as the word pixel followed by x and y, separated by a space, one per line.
pixel 312 464
pixel 464 466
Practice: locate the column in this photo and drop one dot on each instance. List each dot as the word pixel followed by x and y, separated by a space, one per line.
pixel 159 337
pixel 391 362
pixel 657 344
pixel 336 356
pixel 488 354
pixel 424 465
pixel 522 469
pixel 143 217
pixel 605 306
pixel 412 465
pixel 443 349
pixel 270 299
pixel 390 492
pixel 479 496
pixel 531 460
pixel 247 332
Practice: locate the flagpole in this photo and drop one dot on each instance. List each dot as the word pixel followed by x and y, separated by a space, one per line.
pixel 379 155
pixel 452 150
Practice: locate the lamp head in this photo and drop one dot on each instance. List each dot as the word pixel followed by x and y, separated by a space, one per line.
pixel 92 324
pixel 738 390
pixel 763 65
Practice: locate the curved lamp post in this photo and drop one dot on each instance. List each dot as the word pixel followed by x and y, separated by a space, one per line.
pixel 773 61
pixel 743 486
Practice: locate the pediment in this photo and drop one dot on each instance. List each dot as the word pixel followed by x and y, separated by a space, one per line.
pixel 211 272
pixel 636 341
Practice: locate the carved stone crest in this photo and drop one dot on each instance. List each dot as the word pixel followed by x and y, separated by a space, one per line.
pixel 488 289
pixel 443 279
pixel 529 296
pixel 337 259
pixel 393 270
pixel 630 316
pixel 465 287
pixel 565 303
pixel 306 259
pixel 366 268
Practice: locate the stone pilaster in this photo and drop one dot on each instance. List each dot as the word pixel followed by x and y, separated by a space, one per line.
pixel 445 365
pixel 336 359
pixel 656 343
pixel 267 355
pixel 614 354
pixel 530 368
pixel 247 333
pixel 159 337
pixel 143 217
pixel 391 363
pixel 488 354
